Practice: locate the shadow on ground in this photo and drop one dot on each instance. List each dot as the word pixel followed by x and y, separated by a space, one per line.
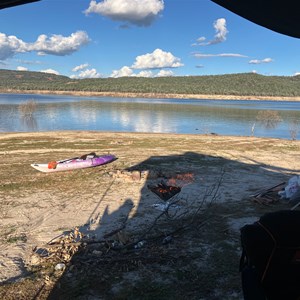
pixel 185 248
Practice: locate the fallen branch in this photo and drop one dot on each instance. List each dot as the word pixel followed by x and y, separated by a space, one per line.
pixel 63 245
pixel 212 192
pixel 114 231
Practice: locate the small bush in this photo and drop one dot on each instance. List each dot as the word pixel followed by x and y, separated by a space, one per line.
pixel 268 118
pixel 294 129
pixel 27 108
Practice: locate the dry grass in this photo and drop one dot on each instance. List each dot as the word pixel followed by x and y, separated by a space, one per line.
pixel 201 259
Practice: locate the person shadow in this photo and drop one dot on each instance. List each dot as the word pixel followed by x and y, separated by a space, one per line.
pixel 200 180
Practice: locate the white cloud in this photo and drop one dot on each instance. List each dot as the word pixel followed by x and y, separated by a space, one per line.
pixel 221 31
pixel 220 36
pixel 296 74
pixel 80 67
pixel 145 74
pixel 202 55
pixel 260 61
pixel 137 12
pixel 10 45
pixel 123 72
pixel 88 73
pixel 55 45
pixel 50 71
pixel 164 73
pixel 20 68
pixel 201 39
pixel 128 72
pixel 156 60
pixel 58 44
pixel 84 72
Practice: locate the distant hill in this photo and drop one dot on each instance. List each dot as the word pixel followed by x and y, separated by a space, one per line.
pixel 244 84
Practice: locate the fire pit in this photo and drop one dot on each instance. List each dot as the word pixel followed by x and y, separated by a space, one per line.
pixel 163 191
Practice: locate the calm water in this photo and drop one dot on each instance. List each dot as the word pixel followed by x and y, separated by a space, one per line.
pixel 54 113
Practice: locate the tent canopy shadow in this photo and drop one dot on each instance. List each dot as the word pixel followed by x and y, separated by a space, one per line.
pixel 194 173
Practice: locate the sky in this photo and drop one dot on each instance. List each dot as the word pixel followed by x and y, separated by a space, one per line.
pixel 145 38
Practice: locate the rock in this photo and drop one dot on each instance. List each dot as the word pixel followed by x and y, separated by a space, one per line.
pixel 34 260
pixel 60 267
pixel 97 252
pixel 136 175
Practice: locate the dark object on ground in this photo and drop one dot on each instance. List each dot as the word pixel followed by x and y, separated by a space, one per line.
pixel 268 196
pixel 270 262
pixel 295 198
pixel 89 155
pixel 279 16
pixel 164 191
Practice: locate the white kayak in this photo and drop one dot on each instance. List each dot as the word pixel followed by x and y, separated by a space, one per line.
pixel 82 162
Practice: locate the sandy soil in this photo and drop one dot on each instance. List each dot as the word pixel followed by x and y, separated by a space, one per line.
pixel 152 95
pixel 37 207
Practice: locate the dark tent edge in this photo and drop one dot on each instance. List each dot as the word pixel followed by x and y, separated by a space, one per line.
pixel 279 16
pixel 11 3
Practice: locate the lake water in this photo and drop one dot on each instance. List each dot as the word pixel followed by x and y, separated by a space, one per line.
pixel 224 117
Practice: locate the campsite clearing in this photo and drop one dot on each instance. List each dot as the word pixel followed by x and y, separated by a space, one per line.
pixel 191 251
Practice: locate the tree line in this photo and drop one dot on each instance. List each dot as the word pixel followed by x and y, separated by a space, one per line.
pixel 243 84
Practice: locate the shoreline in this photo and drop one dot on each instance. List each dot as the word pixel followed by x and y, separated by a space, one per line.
pixel 151 95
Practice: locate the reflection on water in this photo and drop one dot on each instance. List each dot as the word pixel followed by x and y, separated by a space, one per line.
pixel 29 123
pixel 26 112
pixel 148 115
pixel 269 118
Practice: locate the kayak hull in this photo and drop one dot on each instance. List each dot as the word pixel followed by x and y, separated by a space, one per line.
pixel 75 164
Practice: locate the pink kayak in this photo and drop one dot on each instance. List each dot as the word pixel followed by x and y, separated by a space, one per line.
pixel 87 161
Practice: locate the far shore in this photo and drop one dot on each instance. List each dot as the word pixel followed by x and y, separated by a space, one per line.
pixel 150 95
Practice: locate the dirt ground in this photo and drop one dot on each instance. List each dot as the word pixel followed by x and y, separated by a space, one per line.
pixel 153 95
pixel 122 242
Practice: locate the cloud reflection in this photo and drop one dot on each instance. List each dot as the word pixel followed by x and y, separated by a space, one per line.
pixel 143 121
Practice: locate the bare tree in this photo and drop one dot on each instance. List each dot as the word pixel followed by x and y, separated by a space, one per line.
pixel 27 108
pixel 268 118
pixel 294 129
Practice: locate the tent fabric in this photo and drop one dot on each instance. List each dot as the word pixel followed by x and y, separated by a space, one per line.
pixel 11 3
pixel 279 16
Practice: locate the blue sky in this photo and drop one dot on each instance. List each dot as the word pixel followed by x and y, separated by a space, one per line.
pixel 150 38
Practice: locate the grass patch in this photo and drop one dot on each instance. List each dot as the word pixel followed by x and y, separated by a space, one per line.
pixel 200 262
pixel 17 238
